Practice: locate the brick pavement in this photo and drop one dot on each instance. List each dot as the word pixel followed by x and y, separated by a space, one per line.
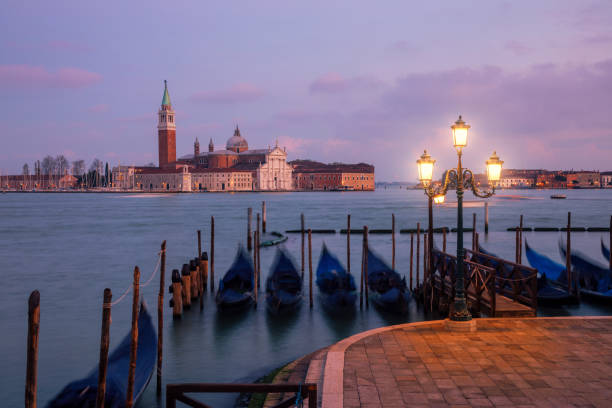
pixel 541 362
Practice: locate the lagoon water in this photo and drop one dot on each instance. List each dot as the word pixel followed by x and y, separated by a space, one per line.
pixel 72 246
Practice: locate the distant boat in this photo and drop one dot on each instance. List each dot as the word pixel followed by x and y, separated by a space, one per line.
pixel 284 285
pixel 273 238
pixel 336 287
pixel 387 288
pixel 558 196
pixel 605 251
pixel 82 393
pixel 595 280
pixel 236 288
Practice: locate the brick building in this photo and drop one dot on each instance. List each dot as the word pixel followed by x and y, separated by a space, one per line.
pixel 311 175
pixel 583 179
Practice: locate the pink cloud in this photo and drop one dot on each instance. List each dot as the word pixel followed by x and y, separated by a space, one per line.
pixel 295 145
pixel 28 76
pixel 517 48
pixel 334 83
pixel 99 108
pixel 238 93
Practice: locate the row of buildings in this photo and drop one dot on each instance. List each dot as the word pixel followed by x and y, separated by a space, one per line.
pixel 520 178
pixel 236 167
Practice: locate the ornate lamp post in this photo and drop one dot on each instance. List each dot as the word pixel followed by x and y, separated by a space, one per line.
pixel 461 179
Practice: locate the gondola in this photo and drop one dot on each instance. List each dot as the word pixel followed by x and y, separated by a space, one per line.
pixel 605 251
pixel 552 278
pixel 284 285
pixel 273 238
pixel 388 289
pixel 83 392
pixel 594 280
pixel 336 287
pixel 236 288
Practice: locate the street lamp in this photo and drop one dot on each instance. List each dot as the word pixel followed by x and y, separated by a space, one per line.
pixel 461 179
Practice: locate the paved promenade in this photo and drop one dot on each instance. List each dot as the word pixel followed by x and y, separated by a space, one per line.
pixel 535 362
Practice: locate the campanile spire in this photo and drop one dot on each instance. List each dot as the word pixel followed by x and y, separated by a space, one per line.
pixel 166 130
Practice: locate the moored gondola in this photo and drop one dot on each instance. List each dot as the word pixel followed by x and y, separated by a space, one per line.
pixel 552 279
pixel 336 287
pixel 273 238
pixel 284 285
pixel 595 280
pixel 83 392
pixel 387 288
pixel 605 251
pixel 236 288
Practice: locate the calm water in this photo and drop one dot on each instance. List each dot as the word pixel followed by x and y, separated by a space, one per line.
pixel 72 246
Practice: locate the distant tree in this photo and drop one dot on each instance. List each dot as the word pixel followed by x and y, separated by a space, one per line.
pixel 48 165
pixel 96 165
pixel 106 175
pixel 61 165
pixel 26 170
pixel 151 164
pixel 78 167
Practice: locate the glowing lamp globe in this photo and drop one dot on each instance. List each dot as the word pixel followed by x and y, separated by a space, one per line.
pixel 425 166
pixel 460 133
pixel 494 168
pixel 439 199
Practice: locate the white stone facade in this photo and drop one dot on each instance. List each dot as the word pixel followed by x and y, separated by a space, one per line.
pixel 275 174
pixel 221 180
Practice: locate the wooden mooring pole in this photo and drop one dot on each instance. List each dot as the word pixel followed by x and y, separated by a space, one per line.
pixel 443 239
pixel 256 283
pixel 212 254
pixel 258 259
pixel 199 242
pixel 473 231
pixel 263 216
pixel 365 266
pixel 204 272
pixel 186 281
pixel 310 267
pixel 393 241
pixel 520 258
pixel 177 294
pixel 411 257
pixel 134 340
pixel 418 253
pixel 32 349
pixel 348 243
pixel 302 230
pixel 568 253
pixel 160 316
pixel 193 279
pixel 516 245
pixel 104 344
pixel 610 243
pixel 249 222
pixel 486 217
pixel 361 275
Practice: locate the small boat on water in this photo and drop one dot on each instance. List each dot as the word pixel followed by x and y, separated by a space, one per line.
pixel 236 288
pixel 605 251
pixel 552 278
pixel 558 196
pixel 284 285
pixel 336 287
pixel 388 289
pixel 83 392
pixel 273 238
pixel 594 279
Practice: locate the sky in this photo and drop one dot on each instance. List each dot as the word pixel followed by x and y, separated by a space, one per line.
pixel 347 81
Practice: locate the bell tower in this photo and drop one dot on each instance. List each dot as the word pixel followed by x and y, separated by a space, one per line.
pixel 166 131
pixel 196 148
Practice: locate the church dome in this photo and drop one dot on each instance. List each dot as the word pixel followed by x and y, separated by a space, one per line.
pixel 237 143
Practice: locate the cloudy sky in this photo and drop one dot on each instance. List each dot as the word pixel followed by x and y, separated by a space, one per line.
pixel 351 81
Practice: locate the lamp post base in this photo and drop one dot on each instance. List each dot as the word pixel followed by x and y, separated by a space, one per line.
pixel 459 311
pixel 460 326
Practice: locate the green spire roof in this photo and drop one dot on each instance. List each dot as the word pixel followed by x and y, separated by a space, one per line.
pixel 166 98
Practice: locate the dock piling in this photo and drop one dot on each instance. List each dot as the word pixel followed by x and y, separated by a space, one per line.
pixel 177 294
pixel 256 272
pixel 610 242
pixel 418 254
pixel 411 257
pixel 263 216
pixel 568 254
pixel 104 344
pixel 443 239
pixel 160 317
pixel 32 349
pixel 249 222
pixel 361 275
pixel 134 340
pixel 348 242
pixel 204 271
pixel 520 258
pixel 473 231
pixel 302 230
pixel 199 242
pixel 365 266
pixel 186 281
pixel 310 266
pixel 393 241
pixel 486 217
pixel 193 279
pixel 212 254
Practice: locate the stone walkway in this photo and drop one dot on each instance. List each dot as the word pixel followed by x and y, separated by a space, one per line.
pixel 538 362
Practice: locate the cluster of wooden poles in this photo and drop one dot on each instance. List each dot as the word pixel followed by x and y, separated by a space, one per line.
pixel 34 326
